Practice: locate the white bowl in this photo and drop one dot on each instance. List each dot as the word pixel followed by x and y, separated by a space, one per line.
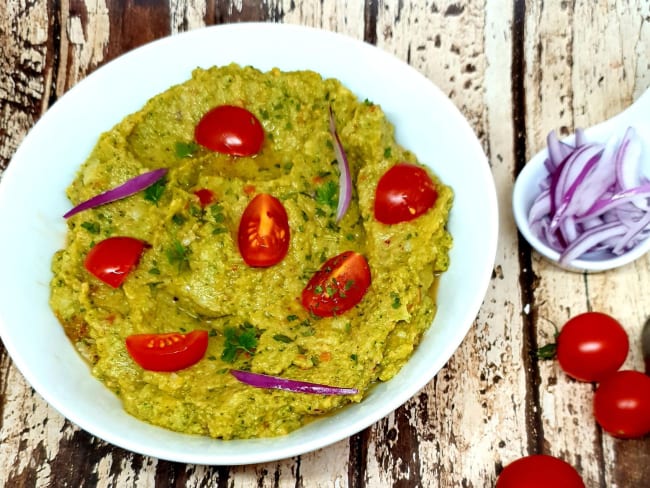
pixel 32 201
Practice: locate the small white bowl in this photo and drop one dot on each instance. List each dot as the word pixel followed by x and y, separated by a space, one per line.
pixel 525 191
pixel 527 188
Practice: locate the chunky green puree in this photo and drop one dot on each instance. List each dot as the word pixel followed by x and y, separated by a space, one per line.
pixel 193 277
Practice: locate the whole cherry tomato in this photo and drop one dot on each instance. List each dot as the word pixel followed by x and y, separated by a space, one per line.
pixel 167 352
pixel 264 234
pixel 403 193
pixel 622 404
pixel 112 259
pixel 539 471
pixel 229 129
pixel 338 285
pixel 591 346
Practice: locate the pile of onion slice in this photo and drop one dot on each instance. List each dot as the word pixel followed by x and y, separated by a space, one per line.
pixel 278 383
pixel 128 188
pixel 595 200
pixel 345 180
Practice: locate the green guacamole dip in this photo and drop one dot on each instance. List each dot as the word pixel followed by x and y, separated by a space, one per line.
pixel 193 277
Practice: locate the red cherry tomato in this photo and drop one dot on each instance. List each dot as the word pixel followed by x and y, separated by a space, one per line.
pixel 539 471
pixel 264 235
pixel 112 259
pixel 205 196
pixel 338 285
pixel 591 346
pixel 622 404
pixel 167 352
pixel 230 130
pixel 404 193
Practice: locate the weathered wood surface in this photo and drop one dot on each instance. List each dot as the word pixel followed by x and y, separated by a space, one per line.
pixel 516 69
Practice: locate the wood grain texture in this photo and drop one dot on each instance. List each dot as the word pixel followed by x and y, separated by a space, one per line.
pixel 515 69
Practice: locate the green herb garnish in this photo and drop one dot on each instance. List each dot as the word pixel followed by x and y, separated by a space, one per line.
pixel 243 338
pixel 185 149
pixel 282 338
pixel 327 194
pixel 155 191
pixel 92 227
pixel 178 254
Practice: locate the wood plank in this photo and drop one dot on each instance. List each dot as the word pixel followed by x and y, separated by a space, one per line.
pixel 569 86
pixel 463 424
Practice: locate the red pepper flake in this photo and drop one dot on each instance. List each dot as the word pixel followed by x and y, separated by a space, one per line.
pixel 205 195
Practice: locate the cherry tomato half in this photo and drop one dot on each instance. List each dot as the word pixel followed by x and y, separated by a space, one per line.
pixel 112 259
pixel 229 129
pixel 591 346
pixel 338 285
pixel 264 235
pixel 403 193
pixel 167 352
pixel 539 471
pixel 622 404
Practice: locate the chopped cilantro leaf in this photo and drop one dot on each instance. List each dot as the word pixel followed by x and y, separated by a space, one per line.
pixel 178 254
pixel 327 194
pixel 92 227
pixel 282 338
pixel 185 149
pixel 242 338
pixel 155 191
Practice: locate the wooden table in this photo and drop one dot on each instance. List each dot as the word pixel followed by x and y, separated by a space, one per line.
pixel 516 69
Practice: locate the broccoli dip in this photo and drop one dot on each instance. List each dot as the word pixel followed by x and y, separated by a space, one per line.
pixel 251 254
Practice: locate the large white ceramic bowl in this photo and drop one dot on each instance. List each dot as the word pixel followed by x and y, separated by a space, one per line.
pixel 32 201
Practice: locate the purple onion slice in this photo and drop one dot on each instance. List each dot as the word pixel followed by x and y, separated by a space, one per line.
pixel 128 188
pixel 345 180
pixel 275 382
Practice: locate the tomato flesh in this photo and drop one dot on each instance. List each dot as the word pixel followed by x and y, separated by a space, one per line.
pixel 539 471
pixel 263 236
pixel 338 285
pixel 622 404
pixel 404 193
pixel 229 129
pixel 112 259
pixel 167 352
pixel 205 196
pixel 591 346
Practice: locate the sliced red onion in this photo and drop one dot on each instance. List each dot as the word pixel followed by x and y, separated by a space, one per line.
pixel 594 199
pixel 130 187
pixel 345 180
pixel 275 382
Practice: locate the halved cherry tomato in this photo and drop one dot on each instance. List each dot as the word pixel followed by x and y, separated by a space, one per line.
pixel 112 259
pixel 622 404
pixel 264 235
pixel 338 285
pixel 229 129
pixel 205 195
pixel 591 346
pixel 539 471
pixel 167 352
pixel 403 193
